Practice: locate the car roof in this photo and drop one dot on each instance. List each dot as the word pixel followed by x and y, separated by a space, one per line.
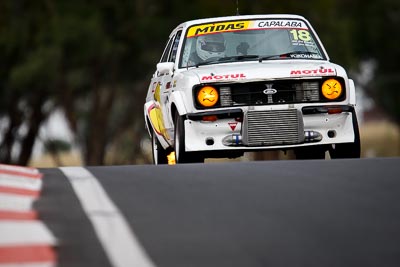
pixel 239 17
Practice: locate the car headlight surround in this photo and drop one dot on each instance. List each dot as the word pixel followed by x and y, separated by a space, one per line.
pixel 331 89
pixel 207 96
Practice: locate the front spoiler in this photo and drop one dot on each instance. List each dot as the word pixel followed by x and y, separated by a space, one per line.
pixel 321 119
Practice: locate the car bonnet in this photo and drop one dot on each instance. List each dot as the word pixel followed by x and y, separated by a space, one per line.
pixel 253 71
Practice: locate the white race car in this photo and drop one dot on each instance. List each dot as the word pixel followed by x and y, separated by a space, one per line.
pixel 229 85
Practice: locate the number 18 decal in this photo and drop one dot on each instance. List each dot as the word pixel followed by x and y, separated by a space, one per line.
pixel 303 35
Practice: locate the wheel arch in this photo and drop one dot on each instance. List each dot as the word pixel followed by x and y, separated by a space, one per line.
pixel 177 104
pixel 352 93
pixel 150 127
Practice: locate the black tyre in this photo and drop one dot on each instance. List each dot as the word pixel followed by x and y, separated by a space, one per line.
pixel 311 152
pixel 159 153
pixel 348 150
pixel 181 156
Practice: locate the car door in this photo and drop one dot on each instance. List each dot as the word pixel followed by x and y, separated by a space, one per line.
pixel 154 95
pixel 161 89
pixel 166 82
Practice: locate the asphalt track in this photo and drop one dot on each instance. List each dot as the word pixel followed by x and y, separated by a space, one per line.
pixel 273 213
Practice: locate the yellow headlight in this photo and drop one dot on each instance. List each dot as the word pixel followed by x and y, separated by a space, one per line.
pixel 331 89
pixel 207 96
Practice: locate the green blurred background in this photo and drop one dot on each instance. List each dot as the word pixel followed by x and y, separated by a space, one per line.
pixel 74 74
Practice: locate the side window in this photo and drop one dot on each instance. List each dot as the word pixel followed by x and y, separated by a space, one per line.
pixel 164 57
pixel 172 56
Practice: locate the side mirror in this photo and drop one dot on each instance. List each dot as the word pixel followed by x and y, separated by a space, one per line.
pixel 164 68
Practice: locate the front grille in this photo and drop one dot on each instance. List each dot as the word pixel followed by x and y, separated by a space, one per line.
pixel 273 127
pixel 281 92
pixel 271 92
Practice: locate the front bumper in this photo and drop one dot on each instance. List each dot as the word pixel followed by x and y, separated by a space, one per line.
pixel 316 125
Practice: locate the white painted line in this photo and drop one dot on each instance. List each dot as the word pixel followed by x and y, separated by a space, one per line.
pixel 115 235
pixel 25 233
pixel 16 202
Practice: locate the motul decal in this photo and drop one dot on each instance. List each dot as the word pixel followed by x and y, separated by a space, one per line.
pixel 232 125
pixel 224 77
pixel 313 72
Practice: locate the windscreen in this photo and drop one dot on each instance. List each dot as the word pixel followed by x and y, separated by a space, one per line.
pixel 249 40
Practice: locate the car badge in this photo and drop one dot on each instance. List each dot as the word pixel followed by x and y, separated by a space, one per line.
pixel 269 90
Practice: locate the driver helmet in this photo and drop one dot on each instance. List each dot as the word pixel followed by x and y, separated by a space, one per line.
pixel 212 45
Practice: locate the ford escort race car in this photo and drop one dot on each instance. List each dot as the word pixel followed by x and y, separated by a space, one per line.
pixel 229 85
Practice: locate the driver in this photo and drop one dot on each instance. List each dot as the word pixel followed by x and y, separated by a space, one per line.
pixel 208 46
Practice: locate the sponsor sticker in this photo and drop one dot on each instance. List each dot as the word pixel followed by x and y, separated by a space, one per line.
pixel 217 27
pixel 236 76
pixel 313 72
pixel 270 24
pixel 306 56
pixel 232 125
pixel 220 27
pixel 154 87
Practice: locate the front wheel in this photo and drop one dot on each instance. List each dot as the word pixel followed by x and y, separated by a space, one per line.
pixel 348 150
pixel 181 156
pixel 159 153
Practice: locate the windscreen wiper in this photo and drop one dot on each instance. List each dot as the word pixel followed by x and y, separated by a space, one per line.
pixel 241 57
pixel 227 59
pixel 206 63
